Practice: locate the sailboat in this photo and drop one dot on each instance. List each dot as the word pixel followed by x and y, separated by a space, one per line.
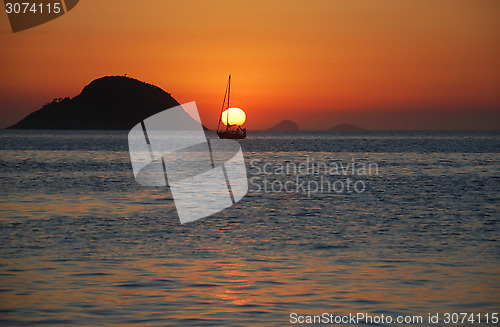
pixel 232 131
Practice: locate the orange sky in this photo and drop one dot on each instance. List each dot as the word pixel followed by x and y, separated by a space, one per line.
pixel 378 64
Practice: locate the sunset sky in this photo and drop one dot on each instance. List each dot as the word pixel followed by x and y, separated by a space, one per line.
pixel 377 64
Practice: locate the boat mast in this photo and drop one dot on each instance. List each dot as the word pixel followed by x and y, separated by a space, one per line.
pixel 226 94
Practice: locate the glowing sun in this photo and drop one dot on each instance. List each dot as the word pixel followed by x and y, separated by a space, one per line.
pixel 236 116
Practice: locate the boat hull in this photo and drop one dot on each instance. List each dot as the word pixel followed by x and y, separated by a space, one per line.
pixel 240 134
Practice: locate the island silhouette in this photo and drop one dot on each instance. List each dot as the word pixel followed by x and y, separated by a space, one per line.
pixel 284 125
pixel 107 103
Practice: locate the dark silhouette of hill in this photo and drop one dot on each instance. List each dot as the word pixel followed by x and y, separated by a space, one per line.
pixel 345 127
pixel 107 103
pixel 285 125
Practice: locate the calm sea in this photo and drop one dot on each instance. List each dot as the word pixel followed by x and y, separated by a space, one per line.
pixel 82 243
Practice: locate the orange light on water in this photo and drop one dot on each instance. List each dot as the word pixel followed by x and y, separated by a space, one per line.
pixel 236 116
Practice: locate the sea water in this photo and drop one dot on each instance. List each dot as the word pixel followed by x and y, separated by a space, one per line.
pixel 82 243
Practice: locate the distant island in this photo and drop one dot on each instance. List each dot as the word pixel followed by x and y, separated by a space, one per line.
pixel 107 103
pixel 345 127
pixel 285 125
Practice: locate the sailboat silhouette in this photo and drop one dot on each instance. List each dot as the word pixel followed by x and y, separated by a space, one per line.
pixel 232 131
